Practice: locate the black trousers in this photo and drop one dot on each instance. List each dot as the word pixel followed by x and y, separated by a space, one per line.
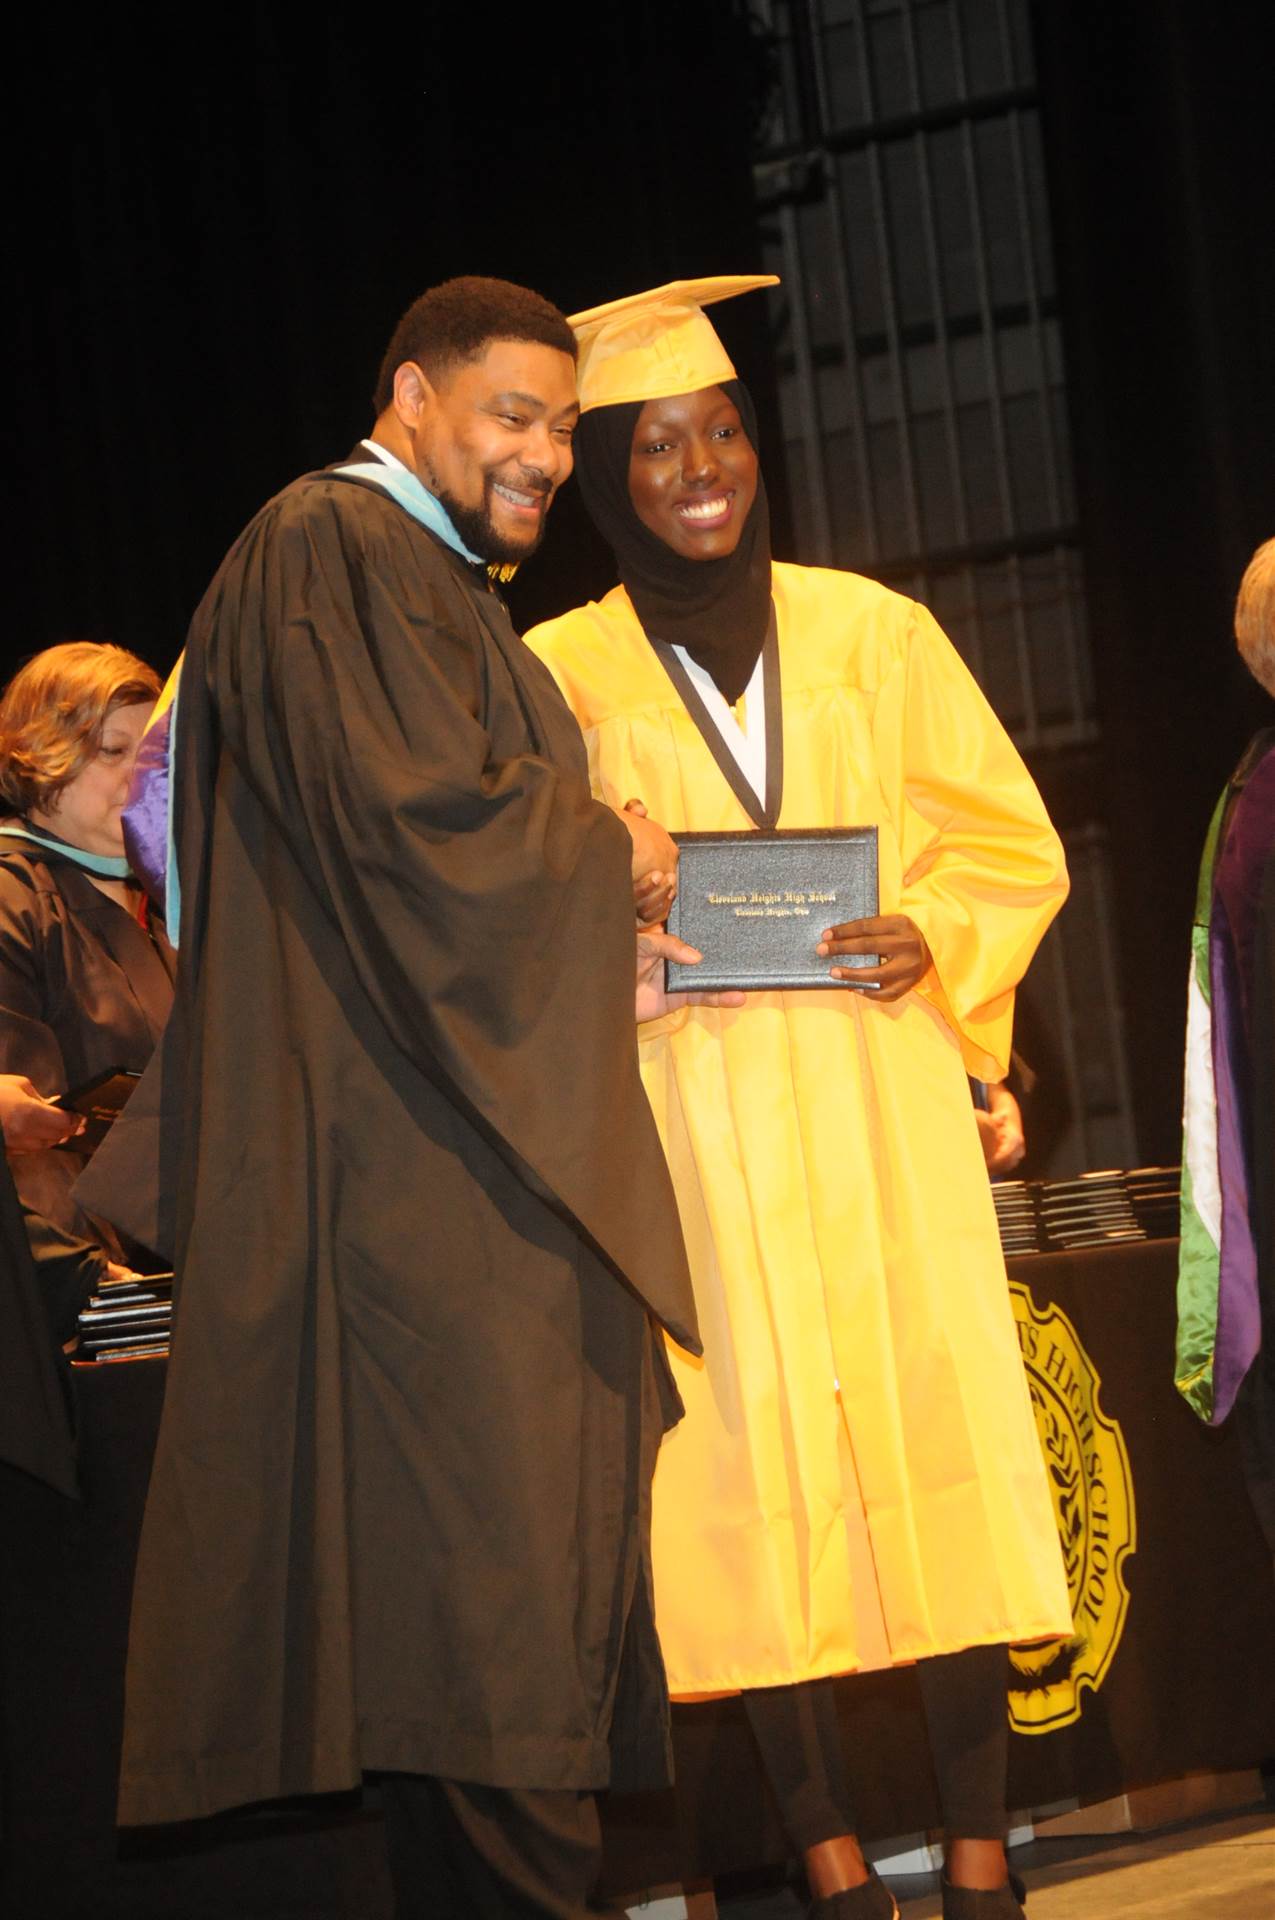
pixel 799 1743
pixel 464 1852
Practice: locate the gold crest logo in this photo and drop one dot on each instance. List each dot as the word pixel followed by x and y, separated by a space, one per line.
pixel 1092 1487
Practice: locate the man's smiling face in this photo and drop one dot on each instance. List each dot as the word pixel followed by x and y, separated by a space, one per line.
pixel 493 442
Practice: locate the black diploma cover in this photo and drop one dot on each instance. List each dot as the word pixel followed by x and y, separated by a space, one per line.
pixel 100 1100
pixel 755 904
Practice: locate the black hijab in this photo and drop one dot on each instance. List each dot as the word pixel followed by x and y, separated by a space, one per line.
pixel 717 609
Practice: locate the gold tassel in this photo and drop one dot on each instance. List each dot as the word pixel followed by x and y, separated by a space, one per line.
pixel 502 571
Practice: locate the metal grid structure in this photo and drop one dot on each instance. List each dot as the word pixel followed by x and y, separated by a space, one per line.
pixel 901 189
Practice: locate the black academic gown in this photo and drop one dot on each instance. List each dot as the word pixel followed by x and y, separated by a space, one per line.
pixel 419 1212
pixel 83 988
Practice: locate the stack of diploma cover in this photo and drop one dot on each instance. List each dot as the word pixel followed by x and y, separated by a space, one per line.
pixel 1155 1193
pixel 127 1319
pixel 1018 1217
pixel 756 904
pixel 1090 1211
pixel 1094 1210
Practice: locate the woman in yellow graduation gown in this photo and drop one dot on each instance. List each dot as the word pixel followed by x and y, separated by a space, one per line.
pixel 858 1480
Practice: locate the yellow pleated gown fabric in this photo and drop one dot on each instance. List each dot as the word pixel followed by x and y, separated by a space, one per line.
pixel 857 1480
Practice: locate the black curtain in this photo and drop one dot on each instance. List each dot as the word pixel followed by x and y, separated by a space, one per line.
pixel 1159 123
pixel 217 219
pixel 213 234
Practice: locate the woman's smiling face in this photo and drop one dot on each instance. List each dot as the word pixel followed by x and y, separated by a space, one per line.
pixel 693 473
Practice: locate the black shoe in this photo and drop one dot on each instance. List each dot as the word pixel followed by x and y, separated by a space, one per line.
pixel 971 1903
pixel 872 1901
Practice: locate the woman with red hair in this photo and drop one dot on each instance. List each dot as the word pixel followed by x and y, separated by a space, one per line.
pixel 85 971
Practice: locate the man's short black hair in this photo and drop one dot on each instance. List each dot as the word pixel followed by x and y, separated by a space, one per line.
pixel 453 323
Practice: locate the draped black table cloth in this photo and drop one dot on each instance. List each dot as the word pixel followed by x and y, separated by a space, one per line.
pixel 1189 1681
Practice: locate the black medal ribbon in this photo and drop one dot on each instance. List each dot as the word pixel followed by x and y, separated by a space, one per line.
pixel 766 815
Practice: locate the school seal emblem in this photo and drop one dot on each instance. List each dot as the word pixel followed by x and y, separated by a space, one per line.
pixel 1092 1487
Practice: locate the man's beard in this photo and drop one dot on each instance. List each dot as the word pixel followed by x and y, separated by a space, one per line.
pixel 477 529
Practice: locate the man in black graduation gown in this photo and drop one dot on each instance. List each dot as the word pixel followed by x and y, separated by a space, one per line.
pixel 415 1197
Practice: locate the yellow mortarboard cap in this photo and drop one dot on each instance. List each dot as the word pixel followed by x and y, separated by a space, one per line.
pixel 656 344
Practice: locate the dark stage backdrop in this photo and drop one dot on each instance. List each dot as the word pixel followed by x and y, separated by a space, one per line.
pixel 214 237
pixel 1159 120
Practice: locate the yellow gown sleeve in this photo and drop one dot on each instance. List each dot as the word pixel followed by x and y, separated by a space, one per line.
pixel 983 869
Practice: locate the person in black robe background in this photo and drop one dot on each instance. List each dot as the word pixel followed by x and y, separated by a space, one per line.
pixel 86 971
pixel 414 1195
